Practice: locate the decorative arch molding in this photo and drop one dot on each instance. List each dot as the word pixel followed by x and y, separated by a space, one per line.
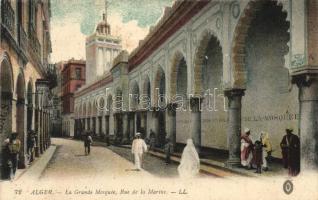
pixel 239 39
pixel 5 61
pixel 134 90
pixel 94 107
pixel 159 74
pixel 175 62
pixel 89 109
pixel 199 59
pixel 100 104
pixel 84 110
pixel 145 85
pixel 109 102
pixel 30 92
pixel 20 86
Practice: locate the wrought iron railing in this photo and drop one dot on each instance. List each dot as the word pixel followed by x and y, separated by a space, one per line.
pixel 7 14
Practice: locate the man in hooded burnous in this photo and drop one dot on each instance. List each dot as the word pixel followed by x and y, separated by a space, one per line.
pixel 137 149
pixel 290 145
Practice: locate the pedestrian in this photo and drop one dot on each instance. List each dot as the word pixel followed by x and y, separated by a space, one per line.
pixel 30 145
pixel 267 149
pixel 12 149
pixel 190 162
pixel 87 143
pixel 246 149
pixel 137 149
pixel 258 157
pixel 168 150
pixel 290 145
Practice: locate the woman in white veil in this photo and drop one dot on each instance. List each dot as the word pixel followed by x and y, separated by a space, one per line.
pixel 190 162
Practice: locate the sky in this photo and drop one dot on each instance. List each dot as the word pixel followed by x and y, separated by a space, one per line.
pixel 73 20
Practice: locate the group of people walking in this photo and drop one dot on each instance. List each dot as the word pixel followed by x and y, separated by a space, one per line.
pixel 256 155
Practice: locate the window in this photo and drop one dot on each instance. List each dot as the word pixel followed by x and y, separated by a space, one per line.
pixel 78 73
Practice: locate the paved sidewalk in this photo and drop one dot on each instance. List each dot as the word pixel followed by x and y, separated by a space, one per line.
pixel 37 168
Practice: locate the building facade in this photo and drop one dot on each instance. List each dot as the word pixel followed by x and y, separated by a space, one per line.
pixel 210 68
pixel 72 78
pixel 57 102
pixel 25 73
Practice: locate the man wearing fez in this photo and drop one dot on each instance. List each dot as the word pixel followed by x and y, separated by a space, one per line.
pixel 290 145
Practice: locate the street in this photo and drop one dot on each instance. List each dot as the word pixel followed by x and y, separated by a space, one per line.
pixel 69 161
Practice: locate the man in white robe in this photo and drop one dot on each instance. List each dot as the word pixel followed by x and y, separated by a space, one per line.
pixel 246 149
pixel 190 162
pixel 138 148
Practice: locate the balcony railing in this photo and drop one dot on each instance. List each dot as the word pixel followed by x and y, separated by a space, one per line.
pixel 7 15
pixel 23 38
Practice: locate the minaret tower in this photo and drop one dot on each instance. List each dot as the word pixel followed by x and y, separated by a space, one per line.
pixel 101 49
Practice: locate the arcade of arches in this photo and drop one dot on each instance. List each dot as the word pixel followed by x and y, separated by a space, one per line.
pixel 224 85
pixel 22 109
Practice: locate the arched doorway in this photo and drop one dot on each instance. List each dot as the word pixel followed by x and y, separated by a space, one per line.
pixel 146 105
pixel 270 100
pixel 20 122
pixel 209 72
pixel 134 107
pixel 89 115
pixel 5 104
pixel 160 103
pixel 178 110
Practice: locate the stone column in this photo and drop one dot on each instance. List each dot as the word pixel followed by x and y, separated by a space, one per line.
pixel 125 128
pixel 107 118
pixel 85 124
pixel 155 115
pixel 103 124
pixel 97 125
pixel 41 131
pixel 44 130
pixel 171 123
pixel 135 122
pixel 115 125
pixel 21 131
pixel 131 125
pixel 308 107
pixel 37 129
pixel 195 103
pixel 234 126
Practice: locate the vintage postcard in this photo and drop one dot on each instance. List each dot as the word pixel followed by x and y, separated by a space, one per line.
pixel 158 99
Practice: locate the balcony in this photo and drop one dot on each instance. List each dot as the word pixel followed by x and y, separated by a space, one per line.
pixel 7 15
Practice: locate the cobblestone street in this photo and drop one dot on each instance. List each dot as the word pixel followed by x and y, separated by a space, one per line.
pixel 69 161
